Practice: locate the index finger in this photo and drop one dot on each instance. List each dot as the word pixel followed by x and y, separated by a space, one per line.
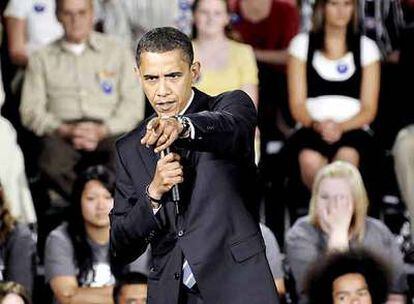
pixel 151 126
pixel 153 123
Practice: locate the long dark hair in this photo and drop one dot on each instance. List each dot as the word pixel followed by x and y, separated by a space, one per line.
pixel 228 30
pixel 76 225
pixel 318 26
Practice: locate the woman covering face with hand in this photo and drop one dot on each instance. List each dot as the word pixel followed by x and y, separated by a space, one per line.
pixel 338 221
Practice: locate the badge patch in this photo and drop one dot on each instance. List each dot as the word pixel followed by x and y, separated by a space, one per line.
pixel 39 7
pixel 107 87
pixel 342 68
pixel 105 79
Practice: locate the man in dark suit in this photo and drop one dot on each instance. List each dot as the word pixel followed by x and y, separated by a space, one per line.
pixel 207 248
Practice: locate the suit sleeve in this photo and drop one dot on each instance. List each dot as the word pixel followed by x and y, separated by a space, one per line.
pixel 228 128
pixel 133 224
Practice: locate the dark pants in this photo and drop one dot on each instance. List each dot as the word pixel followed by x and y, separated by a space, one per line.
pixel 60 162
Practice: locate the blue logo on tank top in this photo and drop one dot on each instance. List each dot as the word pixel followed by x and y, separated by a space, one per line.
pixel 39 7
pixel 342 68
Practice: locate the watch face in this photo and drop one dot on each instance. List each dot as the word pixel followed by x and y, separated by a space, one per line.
pixel 186 125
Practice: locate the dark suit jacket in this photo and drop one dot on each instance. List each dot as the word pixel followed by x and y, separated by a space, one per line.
pixel 215 231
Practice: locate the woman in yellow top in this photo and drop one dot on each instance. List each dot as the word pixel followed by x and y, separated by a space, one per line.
pixel 225 64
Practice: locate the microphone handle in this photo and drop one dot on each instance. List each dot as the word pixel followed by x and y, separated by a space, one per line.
pixel 175 193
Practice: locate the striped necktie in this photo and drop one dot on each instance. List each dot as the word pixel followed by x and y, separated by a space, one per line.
pixel 188 276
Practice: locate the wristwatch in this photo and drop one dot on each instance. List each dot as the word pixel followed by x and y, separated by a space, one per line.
pixel 185 122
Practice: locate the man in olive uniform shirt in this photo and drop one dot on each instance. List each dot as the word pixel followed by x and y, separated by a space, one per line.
pixel 79 93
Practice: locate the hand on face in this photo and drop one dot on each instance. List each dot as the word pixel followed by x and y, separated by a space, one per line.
pixel 337 215
pixel 162 132
pixel 168 173
pixel 335 208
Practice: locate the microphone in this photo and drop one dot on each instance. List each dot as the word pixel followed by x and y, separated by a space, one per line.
pixel 175 193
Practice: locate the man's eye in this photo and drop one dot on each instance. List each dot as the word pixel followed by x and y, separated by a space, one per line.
pixel 363 292
pixel 342 298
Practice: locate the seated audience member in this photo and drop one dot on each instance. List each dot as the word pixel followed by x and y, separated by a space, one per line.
pixel 12 171
pixel 227 64
pixel 13 293
pixel 17 248
pixel 79 93
pixel 338 221
pixel 348 277
pixel 77 260
pixel 274 258
pixel 333 83
pixel 131 288
pixel 30 25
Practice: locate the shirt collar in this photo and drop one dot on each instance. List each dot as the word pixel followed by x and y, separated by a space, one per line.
pixel 188 103
pixel 93 42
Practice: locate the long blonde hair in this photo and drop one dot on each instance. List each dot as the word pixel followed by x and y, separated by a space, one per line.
pixel 15 288
pixel 345 170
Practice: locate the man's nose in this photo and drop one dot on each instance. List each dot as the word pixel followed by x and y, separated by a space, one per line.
pixel 162 89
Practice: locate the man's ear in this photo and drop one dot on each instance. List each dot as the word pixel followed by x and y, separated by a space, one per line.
pixel 138 74
pixel 195 71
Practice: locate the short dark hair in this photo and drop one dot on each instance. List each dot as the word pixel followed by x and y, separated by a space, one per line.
pixel 320 278
pixel 165 39
pixel 126 279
